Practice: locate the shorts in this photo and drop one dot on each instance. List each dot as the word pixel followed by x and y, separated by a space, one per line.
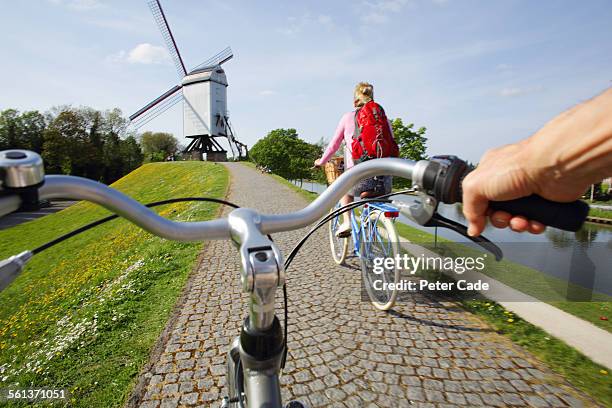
pixel 379 185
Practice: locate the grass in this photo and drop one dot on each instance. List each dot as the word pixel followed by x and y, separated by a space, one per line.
pixel 601 213
pixel 85 314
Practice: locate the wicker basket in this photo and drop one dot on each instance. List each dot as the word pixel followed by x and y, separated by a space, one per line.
pixel 334 168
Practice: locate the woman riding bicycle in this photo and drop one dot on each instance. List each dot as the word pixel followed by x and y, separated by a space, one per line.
pixel 372 187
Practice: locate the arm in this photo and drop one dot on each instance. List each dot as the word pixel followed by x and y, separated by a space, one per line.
pixel 558 162
pixel 334 144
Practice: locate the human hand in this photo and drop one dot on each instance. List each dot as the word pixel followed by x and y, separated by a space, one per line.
pixel 317 163
pixel 515 171
pixel 558 163
pixel 501 175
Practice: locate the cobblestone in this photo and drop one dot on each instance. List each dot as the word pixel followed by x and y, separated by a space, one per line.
pixel 428 352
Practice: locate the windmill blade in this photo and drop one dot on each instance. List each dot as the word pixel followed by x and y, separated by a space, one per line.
pixel 217 59
pixel 156 107
pixel 164 28
pixel 152 114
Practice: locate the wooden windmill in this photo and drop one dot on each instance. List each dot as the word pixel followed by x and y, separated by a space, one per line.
pixel 203 91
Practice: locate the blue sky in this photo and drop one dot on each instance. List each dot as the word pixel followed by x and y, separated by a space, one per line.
pixel 476 73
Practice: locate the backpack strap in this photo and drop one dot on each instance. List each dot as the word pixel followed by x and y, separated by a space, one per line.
pixel 357 134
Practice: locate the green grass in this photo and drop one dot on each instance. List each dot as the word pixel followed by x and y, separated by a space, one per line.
pixel 85 314
pixel 601 213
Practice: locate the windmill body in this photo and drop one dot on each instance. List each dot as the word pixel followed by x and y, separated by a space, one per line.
pixel 205 116
pixel 203 91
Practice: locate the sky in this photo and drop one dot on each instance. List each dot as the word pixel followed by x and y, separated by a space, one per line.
pixel 476 74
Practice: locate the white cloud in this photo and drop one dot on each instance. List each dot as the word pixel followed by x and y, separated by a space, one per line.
pixel 80 5
pixel 378 12
pixel 148 54
pixel 297 24
pixel 518 91
pixel 374 18
pixel 267 92
pixel 324 19
pixel 142 54
pixel 116 58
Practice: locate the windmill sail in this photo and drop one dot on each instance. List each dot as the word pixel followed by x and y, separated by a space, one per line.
pixel 156 107
pixel 217 59
pixel 164 28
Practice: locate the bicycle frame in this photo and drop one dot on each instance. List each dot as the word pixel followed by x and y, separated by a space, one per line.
pixel 361 234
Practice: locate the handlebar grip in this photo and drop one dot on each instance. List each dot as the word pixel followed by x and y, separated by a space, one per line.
pixel 565 216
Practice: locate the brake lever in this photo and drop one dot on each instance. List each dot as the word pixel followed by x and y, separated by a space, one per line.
pixel 437 220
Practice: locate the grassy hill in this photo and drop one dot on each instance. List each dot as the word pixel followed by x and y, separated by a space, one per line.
pixel 84 315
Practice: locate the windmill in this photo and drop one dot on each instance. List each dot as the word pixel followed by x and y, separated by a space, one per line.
pixel 203 91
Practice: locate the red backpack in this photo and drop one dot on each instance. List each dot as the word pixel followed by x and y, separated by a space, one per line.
pixel 373 138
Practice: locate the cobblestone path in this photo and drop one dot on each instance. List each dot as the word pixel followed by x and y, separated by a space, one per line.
pixel 343 353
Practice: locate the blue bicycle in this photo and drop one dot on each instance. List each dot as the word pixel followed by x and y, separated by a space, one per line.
pixel 374 239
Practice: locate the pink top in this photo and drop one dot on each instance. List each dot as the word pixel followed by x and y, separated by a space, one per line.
pixel 344 131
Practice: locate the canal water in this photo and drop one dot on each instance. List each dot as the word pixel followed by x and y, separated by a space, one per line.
pixel 583 258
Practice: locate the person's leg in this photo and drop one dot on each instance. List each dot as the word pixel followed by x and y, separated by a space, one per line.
pixel 347 199
pixel 344 230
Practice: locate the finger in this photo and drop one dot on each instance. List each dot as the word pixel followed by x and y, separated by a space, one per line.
pixel 474 207
pixel 500 219
pixel 519 224
pixel 536 227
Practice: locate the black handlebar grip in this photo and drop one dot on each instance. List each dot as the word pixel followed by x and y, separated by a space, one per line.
pixel 565 216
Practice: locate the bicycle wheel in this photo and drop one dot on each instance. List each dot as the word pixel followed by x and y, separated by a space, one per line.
pixel 380 241
pixel 339 246
pixel 235 380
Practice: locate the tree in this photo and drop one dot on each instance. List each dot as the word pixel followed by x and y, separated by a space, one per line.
pixel 64 139
pixel 79 141
pixel 412 145
pixel 10 129
pixel 158 146
pixel 130 153
pixel 285 154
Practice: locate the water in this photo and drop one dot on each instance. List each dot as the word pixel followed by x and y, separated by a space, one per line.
pixel 583 257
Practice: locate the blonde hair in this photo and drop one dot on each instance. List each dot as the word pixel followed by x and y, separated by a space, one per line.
pixel 364 93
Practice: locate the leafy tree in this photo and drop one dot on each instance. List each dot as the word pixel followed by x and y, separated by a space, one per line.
pixel 130 153
pixel 63 140
pixel 79 141
pixel 10 128
pixel 285 154
pixel 412 145
pixel 158 146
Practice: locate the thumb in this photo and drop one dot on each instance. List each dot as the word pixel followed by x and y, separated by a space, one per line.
pixel 475 206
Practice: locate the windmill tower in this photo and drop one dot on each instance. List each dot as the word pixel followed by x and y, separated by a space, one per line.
pixel 203 91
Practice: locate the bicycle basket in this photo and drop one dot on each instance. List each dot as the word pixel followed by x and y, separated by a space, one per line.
pixel 334 168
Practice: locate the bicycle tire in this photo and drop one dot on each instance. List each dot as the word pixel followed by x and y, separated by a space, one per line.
pixel 382 300
pixel 339 246
pixel 235 382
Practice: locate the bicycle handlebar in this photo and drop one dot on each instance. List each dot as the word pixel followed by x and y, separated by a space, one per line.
pixel 79 188
pixel 444 175
pixel 565 216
